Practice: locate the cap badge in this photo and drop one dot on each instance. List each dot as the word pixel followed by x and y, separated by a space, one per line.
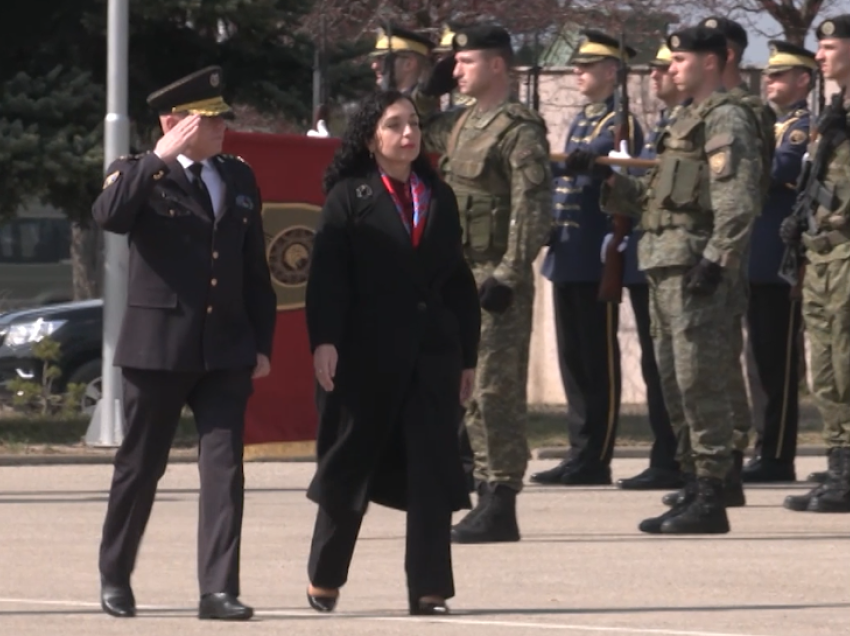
pixel 828 27
pixel 675 41
pixel 711 23
pixel 215 80
pixel 461 39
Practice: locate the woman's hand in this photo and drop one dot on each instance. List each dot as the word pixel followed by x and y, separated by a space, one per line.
pixel 324 364
pixel 467 381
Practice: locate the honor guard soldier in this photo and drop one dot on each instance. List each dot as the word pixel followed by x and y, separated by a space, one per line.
pixel 736 38
pixel 495 156
pixel 663 471
pixel 404 55
pixel 773 317
pixel 825 234
pixel 696 210
pixel 198 325
pixel 586 328
pixel 444 49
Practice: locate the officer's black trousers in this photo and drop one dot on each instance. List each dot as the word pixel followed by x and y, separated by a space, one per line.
pixel 428 557
pixel 773 323
pixel 589 359
pixel 663 453
pixel 153 401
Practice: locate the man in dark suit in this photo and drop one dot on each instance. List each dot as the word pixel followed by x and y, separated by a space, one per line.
pixel 199 324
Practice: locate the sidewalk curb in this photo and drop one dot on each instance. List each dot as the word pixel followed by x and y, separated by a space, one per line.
pixel 631 452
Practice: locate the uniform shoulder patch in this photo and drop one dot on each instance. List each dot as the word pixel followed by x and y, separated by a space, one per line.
pixel 111 178
pixel 718 162
pixel 798 137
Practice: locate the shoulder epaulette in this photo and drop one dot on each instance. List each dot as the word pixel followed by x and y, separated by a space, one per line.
pixel 520 111
pixel 227 157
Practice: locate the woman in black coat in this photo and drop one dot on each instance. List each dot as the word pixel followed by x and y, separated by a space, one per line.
pixel 394 321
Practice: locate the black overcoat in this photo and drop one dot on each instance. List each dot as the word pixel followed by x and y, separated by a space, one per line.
pixel 405 322
pixel 199 292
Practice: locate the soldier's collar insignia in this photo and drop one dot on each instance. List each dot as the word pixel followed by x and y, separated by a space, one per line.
pixel 244 201
pixel 111 179
pixel 593 111
pixel 363 191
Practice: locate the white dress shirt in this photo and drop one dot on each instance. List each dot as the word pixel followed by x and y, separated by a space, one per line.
pixel 212 179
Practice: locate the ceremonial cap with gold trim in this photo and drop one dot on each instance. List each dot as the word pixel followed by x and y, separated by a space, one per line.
pixel 733 31
pixel 199 93
pixel 482 36
pixel 663 57
pixel 447 37
pixel 595 46
pixel 401 40
pixel 785 56
pixel 698 39
pixel 837 27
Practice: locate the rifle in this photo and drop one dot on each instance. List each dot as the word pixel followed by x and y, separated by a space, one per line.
pixel 532 82
pixel 611 285
pixel 811 192
pixel 388 67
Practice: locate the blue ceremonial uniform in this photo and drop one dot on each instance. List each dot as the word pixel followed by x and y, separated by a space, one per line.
pixel 773 318
pixel 586 329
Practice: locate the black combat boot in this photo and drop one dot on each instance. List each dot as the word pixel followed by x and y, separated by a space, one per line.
pixel 836 494
pixel 705 515
pixel 733 485
pixel 801 503
pixel 483 489
pixel 653 524
pixel 496 523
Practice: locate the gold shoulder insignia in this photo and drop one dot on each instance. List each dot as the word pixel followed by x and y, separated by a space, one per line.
pixel 797 137
pixel 224 157
pixel 112 178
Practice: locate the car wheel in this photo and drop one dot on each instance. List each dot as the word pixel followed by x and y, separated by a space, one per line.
pixel 90 375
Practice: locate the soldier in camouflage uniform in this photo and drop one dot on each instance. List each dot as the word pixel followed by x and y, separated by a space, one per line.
pixel 826 301
pixel 742 419
pixel 456 100
pixel 495 155
pixel 696 210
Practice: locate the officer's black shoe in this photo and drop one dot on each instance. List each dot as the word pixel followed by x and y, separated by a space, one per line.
pixel 653 479
pixel 768 471
pixel 496 523
pixel 117 600
pixel 579 474
pixel 551 476
pixel 836 491
pixel 705 515
pixel 819 477
pixel 224 607
pixel 653 524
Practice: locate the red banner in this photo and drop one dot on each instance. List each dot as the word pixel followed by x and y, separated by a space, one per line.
pixel 281 416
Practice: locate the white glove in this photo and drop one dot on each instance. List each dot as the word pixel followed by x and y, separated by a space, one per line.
pixel 607 240
pixel 320 131
pixel 622 153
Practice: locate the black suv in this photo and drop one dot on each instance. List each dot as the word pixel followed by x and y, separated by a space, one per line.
pixel 76 326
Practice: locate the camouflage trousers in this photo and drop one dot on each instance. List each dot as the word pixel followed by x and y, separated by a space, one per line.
pixel 690 334
pixel 742 418
pixel 826 312
pixel 497 413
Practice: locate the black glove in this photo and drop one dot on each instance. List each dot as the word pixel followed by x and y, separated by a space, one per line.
pixel 790 230
pixel 580 162
pixel 495 296
pixel 833 119
pixel 441 80
pixel 703 278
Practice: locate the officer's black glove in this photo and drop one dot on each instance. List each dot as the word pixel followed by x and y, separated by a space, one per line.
pixel 790 230
pixel 441 80
pixel 495 297
pixel 580 162
pixel 703 278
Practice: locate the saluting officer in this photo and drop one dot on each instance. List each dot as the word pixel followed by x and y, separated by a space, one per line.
pixel 773 317
pixel 586 328
pixel 198 325
pixel 663 471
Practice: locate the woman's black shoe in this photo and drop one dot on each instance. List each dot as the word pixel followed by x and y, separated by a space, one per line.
pixel 322 603
pixel 429 608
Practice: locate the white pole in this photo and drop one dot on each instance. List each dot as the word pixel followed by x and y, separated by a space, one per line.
pixel 107 423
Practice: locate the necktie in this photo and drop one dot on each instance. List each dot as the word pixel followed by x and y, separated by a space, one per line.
pixel 201 192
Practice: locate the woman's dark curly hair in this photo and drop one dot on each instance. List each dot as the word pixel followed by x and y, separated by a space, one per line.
pixel 352 159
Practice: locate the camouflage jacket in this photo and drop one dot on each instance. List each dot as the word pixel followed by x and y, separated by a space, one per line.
pixel 714 219
pixel 766 134
pixel 498 165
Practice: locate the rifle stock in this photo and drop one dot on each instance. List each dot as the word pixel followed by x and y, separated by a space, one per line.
pixel 613 270
pixel 623 162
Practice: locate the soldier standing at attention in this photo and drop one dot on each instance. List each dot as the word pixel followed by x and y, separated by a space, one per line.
pixel 696 214
pixel 495 156
pixel 411 61
pixel 742 417
pixel 199 324
pixel 663 471
pixel 773 317
pixel 586 328
pixel 826 302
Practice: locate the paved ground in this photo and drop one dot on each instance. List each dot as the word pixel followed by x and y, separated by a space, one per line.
pixel 582 567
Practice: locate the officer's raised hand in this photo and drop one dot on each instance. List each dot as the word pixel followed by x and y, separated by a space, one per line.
pixel 581 162
pixel 176 140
